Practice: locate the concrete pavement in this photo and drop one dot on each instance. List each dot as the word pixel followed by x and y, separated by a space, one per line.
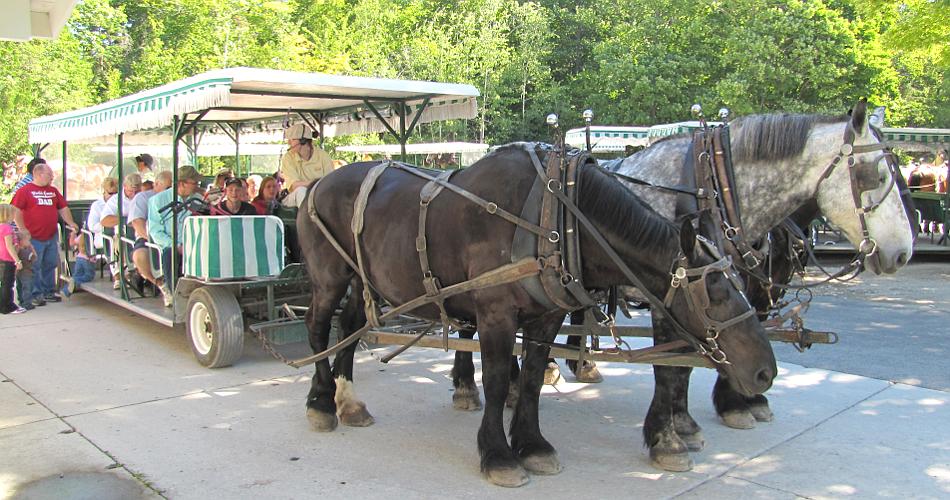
pixel 98 403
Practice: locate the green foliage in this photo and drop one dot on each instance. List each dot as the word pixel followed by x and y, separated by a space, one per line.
pixel 632 61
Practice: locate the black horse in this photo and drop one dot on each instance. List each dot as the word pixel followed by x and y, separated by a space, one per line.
pixel 467 241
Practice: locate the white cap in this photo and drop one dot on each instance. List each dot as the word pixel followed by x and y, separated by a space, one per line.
pixel 298 131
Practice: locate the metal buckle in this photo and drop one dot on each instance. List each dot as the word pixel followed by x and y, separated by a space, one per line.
pixel 868 241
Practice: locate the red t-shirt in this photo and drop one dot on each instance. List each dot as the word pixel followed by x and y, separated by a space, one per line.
pixel 40 207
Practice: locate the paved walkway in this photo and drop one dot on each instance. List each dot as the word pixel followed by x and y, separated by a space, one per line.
pixel 97 403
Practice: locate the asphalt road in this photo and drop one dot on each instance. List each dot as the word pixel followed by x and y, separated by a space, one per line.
pixel 891 327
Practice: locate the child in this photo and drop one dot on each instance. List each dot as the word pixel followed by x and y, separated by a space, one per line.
pixel 24 277
pixel 9 261
pixel 84 270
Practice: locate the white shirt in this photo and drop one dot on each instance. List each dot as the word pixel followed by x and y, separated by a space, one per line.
pixel 112 206
pixel 94 220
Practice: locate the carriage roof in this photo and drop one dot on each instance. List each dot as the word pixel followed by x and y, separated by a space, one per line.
pixel 417 149
pixel 341 104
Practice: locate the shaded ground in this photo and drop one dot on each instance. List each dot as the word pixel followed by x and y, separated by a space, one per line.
pixel 894 327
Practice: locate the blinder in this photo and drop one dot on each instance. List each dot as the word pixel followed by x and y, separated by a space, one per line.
pixel 697 296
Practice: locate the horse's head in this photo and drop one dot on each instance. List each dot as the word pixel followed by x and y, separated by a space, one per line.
pixel 858 192
pixel 705 297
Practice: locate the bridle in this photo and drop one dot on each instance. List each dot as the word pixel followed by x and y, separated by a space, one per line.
pixel 864 177
pixel 692 281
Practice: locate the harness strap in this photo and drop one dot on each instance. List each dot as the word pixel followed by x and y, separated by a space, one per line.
pixel 359 207
pixel 552 274
pixel 312 211
pixel 509 273
pixel 431 283
pixel 490 207
pixel 724 174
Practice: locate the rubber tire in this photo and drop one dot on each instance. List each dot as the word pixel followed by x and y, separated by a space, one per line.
pixel 226 326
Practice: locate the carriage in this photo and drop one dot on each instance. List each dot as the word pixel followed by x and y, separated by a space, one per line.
pixel 236 270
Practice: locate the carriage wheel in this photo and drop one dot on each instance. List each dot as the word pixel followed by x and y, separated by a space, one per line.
pixel 215 326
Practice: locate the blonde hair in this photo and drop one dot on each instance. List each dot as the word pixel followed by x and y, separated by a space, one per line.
pixel 110 184
pixel 6 212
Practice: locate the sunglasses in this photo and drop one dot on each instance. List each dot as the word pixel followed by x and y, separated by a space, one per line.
pixel 112 192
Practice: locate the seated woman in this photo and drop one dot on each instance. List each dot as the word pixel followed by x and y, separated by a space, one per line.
pixel 266 200
pixel 232 204
pixel 110 186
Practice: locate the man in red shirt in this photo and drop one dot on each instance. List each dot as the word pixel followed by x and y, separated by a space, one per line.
pixel 40 205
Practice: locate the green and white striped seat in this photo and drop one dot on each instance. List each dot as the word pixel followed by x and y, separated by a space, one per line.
pixel 233 247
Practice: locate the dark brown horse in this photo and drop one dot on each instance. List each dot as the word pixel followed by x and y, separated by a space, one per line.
pixel 465 242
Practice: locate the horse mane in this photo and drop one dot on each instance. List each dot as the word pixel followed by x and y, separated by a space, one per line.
pixel 774 136
pixel 601 197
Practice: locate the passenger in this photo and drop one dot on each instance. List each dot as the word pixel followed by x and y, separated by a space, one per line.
pixel 245 194
pixel 253 185
pixel 94 220
pixel 160 223
pixel 110 218
pixel 216 191
pixel 138 220
pixel 302 164
pixel 232 203
pixel 10 262
pixel 84 270
pixel 41 204
pixel 148 185
pixel 266 200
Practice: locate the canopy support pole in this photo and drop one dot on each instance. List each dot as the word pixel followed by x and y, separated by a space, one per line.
pixel 237 150
pixel 171 278
pixel 64 172
pixel 123 290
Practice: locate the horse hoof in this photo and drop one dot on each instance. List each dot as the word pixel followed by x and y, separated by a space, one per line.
pixel 320 421
pixel 355 415
pixel 694 441
pixel 512 400
pixel 552 374
pixel 762 413
pixel 509 477
pixel 546 464
pixel 673 462
pixel 588 374
pixel 466 399
pixel 739 419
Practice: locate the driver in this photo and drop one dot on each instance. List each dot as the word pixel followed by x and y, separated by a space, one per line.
pixel 302 163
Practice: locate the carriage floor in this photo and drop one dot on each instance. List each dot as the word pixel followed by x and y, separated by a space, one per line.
pixel 149 307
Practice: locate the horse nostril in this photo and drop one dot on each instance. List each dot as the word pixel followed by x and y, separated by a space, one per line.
pixel 765 376
pixel 902 259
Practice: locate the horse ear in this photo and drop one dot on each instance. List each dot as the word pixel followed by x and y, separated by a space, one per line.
pixel 687 237
pixel 859 115
pixel 877 117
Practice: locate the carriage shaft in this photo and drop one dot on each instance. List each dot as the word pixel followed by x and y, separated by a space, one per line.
pixel 467 345
pixel 774 334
